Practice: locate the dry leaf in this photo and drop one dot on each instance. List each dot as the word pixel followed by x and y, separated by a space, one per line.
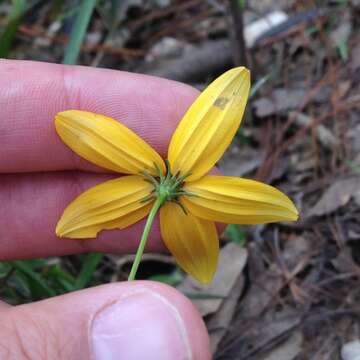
pixel 325 136
pixel 288 350
pixel 241 161
pixel 279 101
pixel 208 298
pixel 219 323
pixel 336 196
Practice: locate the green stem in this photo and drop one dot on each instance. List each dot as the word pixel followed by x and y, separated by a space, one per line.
pixel 158 202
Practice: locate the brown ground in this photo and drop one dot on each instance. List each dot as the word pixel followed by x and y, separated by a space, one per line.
pixel 296 295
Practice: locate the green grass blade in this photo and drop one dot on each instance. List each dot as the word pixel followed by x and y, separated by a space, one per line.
pixel 78 31
pixel 236 234
pixel 258 85
pixel 64 280
pixel 26 270
pixel 67 14
pixel 11 296
pixel 90 264
pixel 204 296
pixel 172 279
pixel 115 10
pixel 13 22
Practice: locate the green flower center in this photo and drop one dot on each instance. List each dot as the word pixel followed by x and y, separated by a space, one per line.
pixel 167 187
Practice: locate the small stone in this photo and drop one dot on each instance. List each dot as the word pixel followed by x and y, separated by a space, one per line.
pixel 351 350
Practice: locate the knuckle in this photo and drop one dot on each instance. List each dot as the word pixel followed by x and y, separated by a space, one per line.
pixel 72 93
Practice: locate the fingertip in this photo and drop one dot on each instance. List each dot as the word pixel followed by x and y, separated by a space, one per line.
pixel 160 323
pixel 130 320
pixel 192 320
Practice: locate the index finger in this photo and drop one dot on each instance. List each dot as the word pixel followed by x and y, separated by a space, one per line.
pixel 31 93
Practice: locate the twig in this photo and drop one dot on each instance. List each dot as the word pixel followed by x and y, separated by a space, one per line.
pixel 239 53
pixel 60 39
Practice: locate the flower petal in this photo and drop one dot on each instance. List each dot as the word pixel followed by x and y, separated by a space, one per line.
pixel 113 204
pixel 106 142
pixel 209 125
pixel 193 242
pixel 238 201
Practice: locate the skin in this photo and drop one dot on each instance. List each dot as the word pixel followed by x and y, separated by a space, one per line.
pixel 39 176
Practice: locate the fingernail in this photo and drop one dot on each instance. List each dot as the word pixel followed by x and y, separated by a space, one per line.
pixel 142 325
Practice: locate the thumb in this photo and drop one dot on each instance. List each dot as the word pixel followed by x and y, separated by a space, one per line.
pixel 133 320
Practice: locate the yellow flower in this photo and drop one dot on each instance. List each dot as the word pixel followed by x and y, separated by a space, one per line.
pixel 189 200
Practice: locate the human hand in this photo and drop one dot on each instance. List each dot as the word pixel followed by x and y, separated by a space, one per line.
pixel 40 176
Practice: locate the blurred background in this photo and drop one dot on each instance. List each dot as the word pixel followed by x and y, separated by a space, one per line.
pixel 282 291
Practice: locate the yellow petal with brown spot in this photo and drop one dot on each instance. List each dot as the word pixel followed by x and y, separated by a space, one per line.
pixel 193 242
pixel 106 142
pixel 114 204
pixel 210 124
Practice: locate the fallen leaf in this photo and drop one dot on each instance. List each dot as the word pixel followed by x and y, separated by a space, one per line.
pixel 219 323
pixel 325 136
pixel 336 196
pixel 287 350
pixel 208 298
pixel 280 100
pixel 241 162
pixel 344 262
